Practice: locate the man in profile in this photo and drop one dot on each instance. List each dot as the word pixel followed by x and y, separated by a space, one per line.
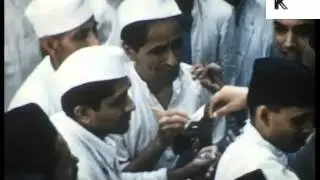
pixel 281 105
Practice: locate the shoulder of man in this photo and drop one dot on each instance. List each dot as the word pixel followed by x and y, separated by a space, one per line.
pixel 31 92
pixel 37 77
pixel 245 156
pixel 187 76
pixel 253 175
pixel 274 170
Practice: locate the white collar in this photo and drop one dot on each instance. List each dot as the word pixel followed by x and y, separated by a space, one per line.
pixel 73 131
pixel 177 83
pixel 251 132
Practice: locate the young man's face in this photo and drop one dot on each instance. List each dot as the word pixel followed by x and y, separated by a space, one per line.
pixel 162 53
pixel 289 128
pixel 115 111
pixel 82 36
pixel 291 36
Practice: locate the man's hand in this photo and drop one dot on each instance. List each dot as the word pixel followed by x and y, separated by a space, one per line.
pixel 201 164
pixel 229 99
pixel 171 123
pixel 205 162
pixel 210 76
pixel 205 157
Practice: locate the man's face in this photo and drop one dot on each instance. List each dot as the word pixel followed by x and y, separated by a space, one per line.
pixel 162 53
pixel 66 163
pixel 82 36
pixel 291 36
pixel 115 111
pixel 289 128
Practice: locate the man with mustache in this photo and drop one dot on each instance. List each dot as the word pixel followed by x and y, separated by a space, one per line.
pixel 162 85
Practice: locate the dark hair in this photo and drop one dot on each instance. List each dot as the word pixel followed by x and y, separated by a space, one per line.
pixel 311 35
pixel 30 142
pixel 88 94
pixel 136 34
pixel 42 40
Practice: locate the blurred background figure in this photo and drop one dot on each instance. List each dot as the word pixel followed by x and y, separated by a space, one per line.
pixel 204 29
pixel 21 47
pixel 33 149
pixel 62 27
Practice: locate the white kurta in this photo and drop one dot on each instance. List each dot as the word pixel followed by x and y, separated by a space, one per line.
pixel 97 158
pixel 21 47
pixel 188 95
pixel 210 20
pixel 36 87
pixel 251 152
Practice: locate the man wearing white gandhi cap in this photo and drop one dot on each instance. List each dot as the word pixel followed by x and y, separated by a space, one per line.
pixel 162 88
pixel 62 26
pixel 95 103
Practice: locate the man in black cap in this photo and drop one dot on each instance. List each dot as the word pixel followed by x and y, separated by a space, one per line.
pixel 33 148
pixel 281 105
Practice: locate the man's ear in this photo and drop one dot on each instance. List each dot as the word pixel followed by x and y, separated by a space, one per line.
pixel 82 114
pixel 49 45
pixel 264 114
pixel 128 50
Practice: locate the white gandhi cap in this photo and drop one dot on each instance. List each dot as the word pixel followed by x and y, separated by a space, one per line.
pixel 87 65
pixel 131 11
pixel 52 17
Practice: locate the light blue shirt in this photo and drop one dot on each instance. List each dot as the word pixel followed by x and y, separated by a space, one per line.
pixel 210 20
pixel 249 36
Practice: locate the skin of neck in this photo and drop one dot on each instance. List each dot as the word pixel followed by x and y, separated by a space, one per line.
pixel 155 84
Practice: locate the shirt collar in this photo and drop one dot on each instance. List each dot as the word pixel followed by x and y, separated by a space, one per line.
pixel 102 149
pixel 255 136
pixel 177 83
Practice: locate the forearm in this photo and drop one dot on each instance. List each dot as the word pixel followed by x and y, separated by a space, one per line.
pixel 148 158
pixel 183 173
pixel 160 174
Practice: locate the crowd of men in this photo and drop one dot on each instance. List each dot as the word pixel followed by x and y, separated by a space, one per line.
pixel 163 90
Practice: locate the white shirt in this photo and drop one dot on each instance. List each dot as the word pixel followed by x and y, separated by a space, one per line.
pixel 21 47
pixel 188 95
pixel 36 87
pixel 97 158
pixel 210 20
pixel 251 152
